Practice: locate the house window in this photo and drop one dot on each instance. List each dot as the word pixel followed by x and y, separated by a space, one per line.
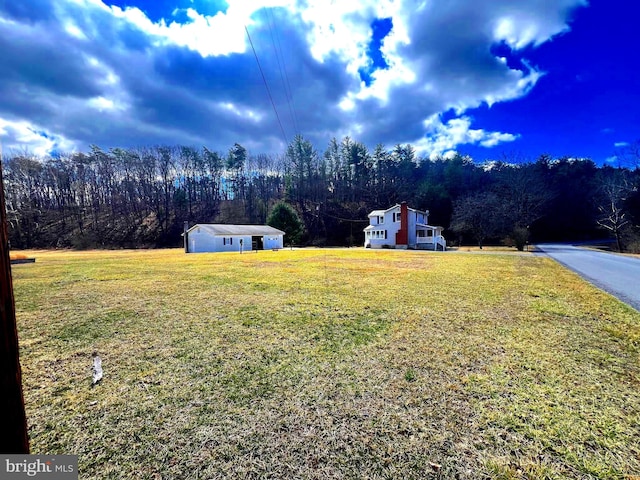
pixel 429 233
pixel 396 216
pixel 420 233
pixel 380 220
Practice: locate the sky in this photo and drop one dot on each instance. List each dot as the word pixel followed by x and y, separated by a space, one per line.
pixel 494 79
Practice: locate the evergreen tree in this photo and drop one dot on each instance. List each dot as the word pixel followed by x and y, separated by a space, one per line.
pixel 285 218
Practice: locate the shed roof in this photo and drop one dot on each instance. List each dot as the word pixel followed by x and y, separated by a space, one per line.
pixel 224 229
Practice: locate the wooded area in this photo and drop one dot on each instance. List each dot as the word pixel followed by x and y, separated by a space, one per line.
pixel 140 197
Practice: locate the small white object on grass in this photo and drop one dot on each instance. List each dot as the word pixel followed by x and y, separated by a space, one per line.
pixel 97 368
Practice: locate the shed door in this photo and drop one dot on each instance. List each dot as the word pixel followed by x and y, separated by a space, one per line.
pixel 257 243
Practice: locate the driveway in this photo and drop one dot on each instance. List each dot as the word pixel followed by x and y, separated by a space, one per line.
pixel 616 274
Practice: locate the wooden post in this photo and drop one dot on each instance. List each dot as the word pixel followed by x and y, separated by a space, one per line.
pixel 186 237
pixel 14 438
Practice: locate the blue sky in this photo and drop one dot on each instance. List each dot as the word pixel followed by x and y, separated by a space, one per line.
pixel 494 79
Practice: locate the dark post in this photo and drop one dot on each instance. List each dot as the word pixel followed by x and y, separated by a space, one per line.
pixel 14 438
pixel 186 237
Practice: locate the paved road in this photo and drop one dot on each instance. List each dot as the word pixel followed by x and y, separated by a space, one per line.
pixel 619 275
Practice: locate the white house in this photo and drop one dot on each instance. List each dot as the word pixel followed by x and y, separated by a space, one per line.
pixel 402 227
pixel 207 237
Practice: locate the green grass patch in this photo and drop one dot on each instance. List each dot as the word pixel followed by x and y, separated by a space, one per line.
pixel 327 364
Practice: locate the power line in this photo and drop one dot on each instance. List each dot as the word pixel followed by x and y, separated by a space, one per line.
pixel 275 50
pixel 284 135
pixel 282 66
pixel 286 76
pixel 350 220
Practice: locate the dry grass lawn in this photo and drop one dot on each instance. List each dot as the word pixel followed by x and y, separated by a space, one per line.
pixel 327 364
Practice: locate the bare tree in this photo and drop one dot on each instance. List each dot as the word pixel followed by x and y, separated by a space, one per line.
pixel 479 214
pixel 612 195
pixel 525 197
pixel 628 155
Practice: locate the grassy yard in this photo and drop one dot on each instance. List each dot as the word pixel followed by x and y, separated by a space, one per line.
pixel 327 364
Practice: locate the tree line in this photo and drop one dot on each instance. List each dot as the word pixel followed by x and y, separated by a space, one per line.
pixel 141 197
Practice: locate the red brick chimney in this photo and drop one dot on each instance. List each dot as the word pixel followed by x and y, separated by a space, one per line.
pixel 402 237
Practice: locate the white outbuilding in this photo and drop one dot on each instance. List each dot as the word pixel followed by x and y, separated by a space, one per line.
pixel 208 237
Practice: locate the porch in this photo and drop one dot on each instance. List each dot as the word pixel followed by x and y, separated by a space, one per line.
pixel 430 238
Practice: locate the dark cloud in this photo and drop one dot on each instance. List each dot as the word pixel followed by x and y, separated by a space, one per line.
pixel 85 74
pixel 29 12
pixel 44 59
pixel 230 78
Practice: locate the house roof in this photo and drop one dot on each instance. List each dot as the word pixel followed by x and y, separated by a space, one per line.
pixel 376 213
pixel 223 229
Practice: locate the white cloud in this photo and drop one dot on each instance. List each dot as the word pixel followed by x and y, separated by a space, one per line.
pixel 73 30
pixel 209 35
pixel 21 135
pixel 495 138
pixel 103 104
pixel 520 24
pixel 220 34
pixel 436 63
pixel 443 138
pixel 124 79
pixel 245 113
pixel 621 144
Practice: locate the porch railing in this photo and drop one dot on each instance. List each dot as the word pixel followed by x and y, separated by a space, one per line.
pixel 437 241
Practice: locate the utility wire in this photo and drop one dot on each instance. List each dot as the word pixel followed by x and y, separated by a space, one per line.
pixel 351 220
pixel 284 135
pixel 286 76
pixel 283 68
